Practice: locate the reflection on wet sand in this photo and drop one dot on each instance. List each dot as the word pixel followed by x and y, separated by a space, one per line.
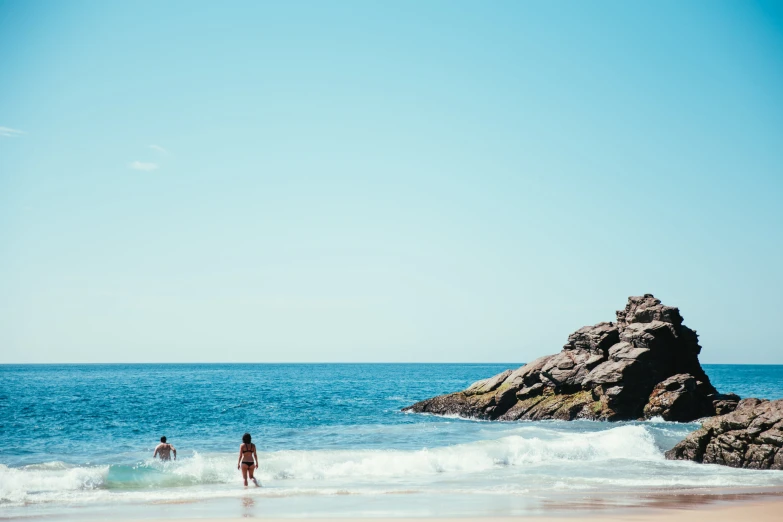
pixel 247 505
pixel 646 500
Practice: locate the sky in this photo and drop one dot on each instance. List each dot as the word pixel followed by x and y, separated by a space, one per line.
pixel 385 181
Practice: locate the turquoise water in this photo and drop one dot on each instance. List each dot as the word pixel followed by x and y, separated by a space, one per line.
pixel 81 436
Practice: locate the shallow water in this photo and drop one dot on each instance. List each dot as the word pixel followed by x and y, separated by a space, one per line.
pixel 331 439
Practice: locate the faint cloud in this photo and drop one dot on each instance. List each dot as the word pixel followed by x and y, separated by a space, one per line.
pixel 158 148
pixel 146 167
pixel 8 132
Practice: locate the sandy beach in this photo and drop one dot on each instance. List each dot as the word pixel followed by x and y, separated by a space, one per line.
pixel 758 511
pixel 726 506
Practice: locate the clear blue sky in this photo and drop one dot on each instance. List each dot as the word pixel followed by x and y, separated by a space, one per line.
pixel 398 181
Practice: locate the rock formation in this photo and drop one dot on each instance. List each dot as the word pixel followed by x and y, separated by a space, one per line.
pixel 749 437
pixel 644 365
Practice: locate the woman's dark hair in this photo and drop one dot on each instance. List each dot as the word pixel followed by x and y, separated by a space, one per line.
pixel 246 438
pixel 163 439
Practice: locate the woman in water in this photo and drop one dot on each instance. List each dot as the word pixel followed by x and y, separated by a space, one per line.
pixel 247 452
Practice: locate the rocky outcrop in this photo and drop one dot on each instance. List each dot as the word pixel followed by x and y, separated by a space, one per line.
pixel 749 437
pixel 644 365
pixel 679 397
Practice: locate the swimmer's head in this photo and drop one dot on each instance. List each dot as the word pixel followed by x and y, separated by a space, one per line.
pixel 163 439
pixel 246 438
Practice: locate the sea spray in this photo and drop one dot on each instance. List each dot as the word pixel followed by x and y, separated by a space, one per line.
pixel 20 485
pixel 525 457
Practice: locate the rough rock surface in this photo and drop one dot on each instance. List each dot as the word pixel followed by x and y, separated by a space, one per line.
pixel 644 365
pixel 679 397
pixel 749 437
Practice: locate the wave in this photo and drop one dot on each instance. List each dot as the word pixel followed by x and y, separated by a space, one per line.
pixel 631 442
pixel 18 484
pixel 525 457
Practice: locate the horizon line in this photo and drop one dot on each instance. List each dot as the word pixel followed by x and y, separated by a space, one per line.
pixel 307 363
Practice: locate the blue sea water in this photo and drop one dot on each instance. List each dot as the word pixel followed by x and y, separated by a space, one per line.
pixel 331 437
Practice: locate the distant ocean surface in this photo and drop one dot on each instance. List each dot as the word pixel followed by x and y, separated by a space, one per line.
pixel 77 440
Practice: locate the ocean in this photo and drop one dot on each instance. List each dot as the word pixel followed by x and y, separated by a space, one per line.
pixel 76 441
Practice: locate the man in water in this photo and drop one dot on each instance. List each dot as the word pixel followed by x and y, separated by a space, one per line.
pixel 164 450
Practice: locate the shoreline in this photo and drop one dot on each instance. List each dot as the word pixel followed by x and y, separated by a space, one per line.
pixel 721 505
pixel 768 511
pixel 358 457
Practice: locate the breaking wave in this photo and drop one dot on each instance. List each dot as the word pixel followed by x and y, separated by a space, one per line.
pixel 521 459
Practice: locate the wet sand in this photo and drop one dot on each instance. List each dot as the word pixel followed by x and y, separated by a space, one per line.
pixel 730 504
pixel 757 512
pixel 672 508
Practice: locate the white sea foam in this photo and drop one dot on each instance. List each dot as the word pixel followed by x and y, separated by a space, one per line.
pixel 19 485
pixel 523 458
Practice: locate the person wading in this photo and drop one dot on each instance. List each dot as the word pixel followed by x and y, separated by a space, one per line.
pixel 165 449
pixel 248 459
